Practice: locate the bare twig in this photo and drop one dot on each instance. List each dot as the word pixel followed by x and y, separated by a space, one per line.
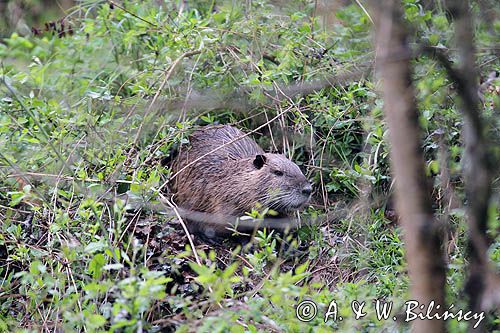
pixel 168 73
pixel 184 227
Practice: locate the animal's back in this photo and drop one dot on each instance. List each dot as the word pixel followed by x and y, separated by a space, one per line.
pixel 227 141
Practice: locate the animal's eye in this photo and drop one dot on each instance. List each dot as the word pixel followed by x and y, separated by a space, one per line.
pixel 278 173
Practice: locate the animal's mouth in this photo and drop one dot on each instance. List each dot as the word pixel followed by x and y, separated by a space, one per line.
pixel 288 203
pixel 284 210
pixel 304 199
pixel 291 206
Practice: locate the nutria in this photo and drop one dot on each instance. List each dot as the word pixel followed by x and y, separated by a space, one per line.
pixel 225 174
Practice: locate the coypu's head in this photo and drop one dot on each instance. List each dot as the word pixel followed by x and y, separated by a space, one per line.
pixel 282 186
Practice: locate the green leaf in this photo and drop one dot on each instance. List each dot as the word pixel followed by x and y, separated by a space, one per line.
pixel 96 265
pixel 95 247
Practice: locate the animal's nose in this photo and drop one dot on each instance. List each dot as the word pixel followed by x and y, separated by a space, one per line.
pixel 306 190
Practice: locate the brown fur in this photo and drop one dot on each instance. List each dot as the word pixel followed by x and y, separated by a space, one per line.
pixel 231 180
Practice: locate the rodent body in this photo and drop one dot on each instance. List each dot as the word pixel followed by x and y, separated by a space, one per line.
pixel 225 173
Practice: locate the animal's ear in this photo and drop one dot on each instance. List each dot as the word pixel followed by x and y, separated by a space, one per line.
pixel 259 161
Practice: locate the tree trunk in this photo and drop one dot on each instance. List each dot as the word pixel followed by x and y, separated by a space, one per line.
pixel 477 173
pixel 421 232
